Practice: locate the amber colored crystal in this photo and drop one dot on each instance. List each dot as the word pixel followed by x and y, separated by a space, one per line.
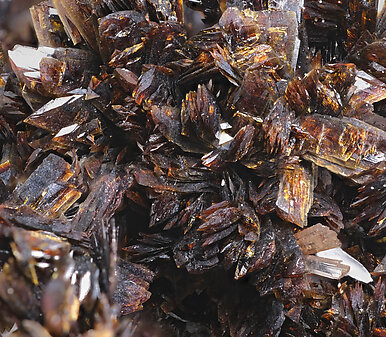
pixel 192 168
pixel 121 30
pixel 295 194
pixel 48 27
pixel 347 147
pixel 74 13
pixel 316 238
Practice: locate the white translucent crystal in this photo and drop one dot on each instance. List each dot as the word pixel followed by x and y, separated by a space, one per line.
pixel 85 286
pixel 53 11
pixel 225 126
pixel 381 4
pixel 43 265
pixel 325 267
pixel 223 137
pixel 37 254
pixel 357 270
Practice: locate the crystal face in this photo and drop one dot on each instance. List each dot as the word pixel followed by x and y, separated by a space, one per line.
pixel 193 168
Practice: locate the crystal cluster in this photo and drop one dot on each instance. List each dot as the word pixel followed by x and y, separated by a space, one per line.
pixel 158 179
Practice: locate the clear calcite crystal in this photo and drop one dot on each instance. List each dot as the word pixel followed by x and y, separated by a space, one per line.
pixel 317 238
pixel 357 270
pixel 368 89
pixel 325 267
pixel 371 58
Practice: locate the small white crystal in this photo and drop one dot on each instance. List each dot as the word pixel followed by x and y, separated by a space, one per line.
pixel 85 286
pixel 53 11
pixel 43 265
pixel 37 254
pixel 223 137
pixel 225 126
pixel 329 268
pixel 357 270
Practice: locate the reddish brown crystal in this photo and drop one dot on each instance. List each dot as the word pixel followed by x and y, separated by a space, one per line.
pixel 184 175
pixel 316 238
pixel 295 194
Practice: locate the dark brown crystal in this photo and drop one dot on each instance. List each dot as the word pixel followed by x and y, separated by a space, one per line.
pixel 193 168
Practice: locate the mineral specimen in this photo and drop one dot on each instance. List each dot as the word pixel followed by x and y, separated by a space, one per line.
pixel 164 177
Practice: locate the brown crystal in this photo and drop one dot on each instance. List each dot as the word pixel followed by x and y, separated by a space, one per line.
pixel 317 238
pixel 295 194
pixel 170 168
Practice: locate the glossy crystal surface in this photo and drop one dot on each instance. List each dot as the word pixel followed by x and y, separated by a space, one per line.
pixel 194 168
